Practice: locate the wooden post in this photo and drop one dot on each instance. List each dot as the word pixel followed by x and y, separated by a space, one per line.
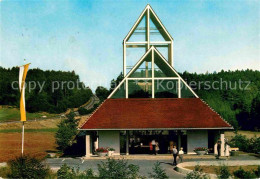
pixel 22 138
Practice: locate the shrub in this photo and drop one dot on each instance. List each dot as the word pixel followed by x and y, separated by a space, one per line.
pixel 111 149
pixel 241 173
pixel 4 171
pixel 83 111
pixel 240 141
pixel 66 172
pixel 200 149
pixel 223 172
pixel 257 172
pixel 158 172
pixel 245 144
pixel 117 169
pixel 88 174
pixel 254 144
pixel 27 167
pixel 197 173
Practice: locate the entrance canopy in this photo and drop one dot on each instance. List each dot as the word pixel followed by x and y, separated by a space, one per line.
pixel 154 114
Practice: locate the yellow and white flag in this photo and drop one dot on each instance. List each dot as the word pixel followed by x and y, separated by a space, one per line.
pixel 22 76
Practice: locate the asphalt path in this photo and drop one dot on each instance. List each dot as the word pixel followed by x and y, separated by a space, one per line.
pixel 145 165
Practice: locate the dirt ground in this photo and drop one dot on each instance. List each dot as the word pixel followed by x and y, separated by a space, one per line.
pixel 212 169
pixel 36 144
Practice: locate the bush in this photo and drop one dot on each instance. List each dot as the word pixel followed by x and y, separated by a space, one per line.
pixel 67 130
pixel 27 167
pixel 117 169
pixel 66 172
pixel 239 141
pixel 83 111
pixel 223 172
pixel 4 171
pixel 245 144
pixel 197 173
pixel 254 145
pixel 257 172
pixel 200 149
pixel 241 173
pixel 158 172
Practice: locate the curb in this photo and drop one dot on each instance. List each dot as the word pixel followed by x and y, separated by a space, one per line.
pixel 180 168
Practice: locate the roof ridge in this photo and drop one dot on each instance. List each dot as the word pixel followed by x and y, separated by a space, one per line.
pixel 215 112
pixel 92 114
pixel 150 99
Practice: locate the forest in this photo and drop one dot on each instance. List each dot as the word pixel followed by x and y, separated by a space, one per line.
pixel 48 91
pixel 235 95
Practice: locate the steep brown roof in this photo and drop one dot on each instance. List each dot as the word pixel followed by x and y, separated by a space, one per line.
pixel 147 113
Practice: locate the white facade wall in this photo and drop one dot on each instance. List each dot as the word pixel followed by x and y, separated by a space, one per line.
pixel 196 138
pixel 109 139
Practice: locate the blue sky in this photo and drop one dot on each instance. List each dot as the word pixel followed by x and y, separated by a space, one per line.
pixel 86 36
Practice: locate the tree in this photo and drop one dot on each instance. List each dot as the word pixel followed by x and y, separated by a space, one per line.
pixel 102 93
pixel 255 112
pixel 115 83
pixel 67 131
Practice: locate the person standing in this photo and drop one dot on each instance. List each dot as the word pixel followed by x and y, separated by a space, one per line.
pixel 175 153
pixel 218 148
pixel 157 147
pixel 151 148
pixel 181 154
pixel 154 144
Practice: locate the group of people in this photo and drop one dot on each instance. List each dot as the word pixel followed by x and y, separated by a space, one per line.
pixel 176 153
pixel 154 148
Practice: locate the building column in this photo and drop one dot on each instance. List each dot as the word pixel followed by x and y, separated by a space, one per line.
pixel 127 142
pixel 222 138
pixel 88 145
pixel 96 144
pixel 179 141
pixel 222 146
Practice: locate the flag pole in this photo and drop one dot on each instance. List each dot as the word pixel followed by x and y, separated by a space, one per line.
pixel 22 76
pixel 22 138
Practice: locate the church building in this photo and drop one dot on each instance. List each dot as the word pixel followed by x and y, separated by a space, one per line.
pixel 152 102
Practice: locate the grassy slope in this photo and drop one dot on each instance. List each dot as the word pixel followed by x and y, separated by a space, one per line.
pixel 13 114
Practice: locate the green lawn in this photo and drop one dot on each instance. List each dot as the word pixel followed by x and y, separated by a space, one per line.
pixel 13 114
